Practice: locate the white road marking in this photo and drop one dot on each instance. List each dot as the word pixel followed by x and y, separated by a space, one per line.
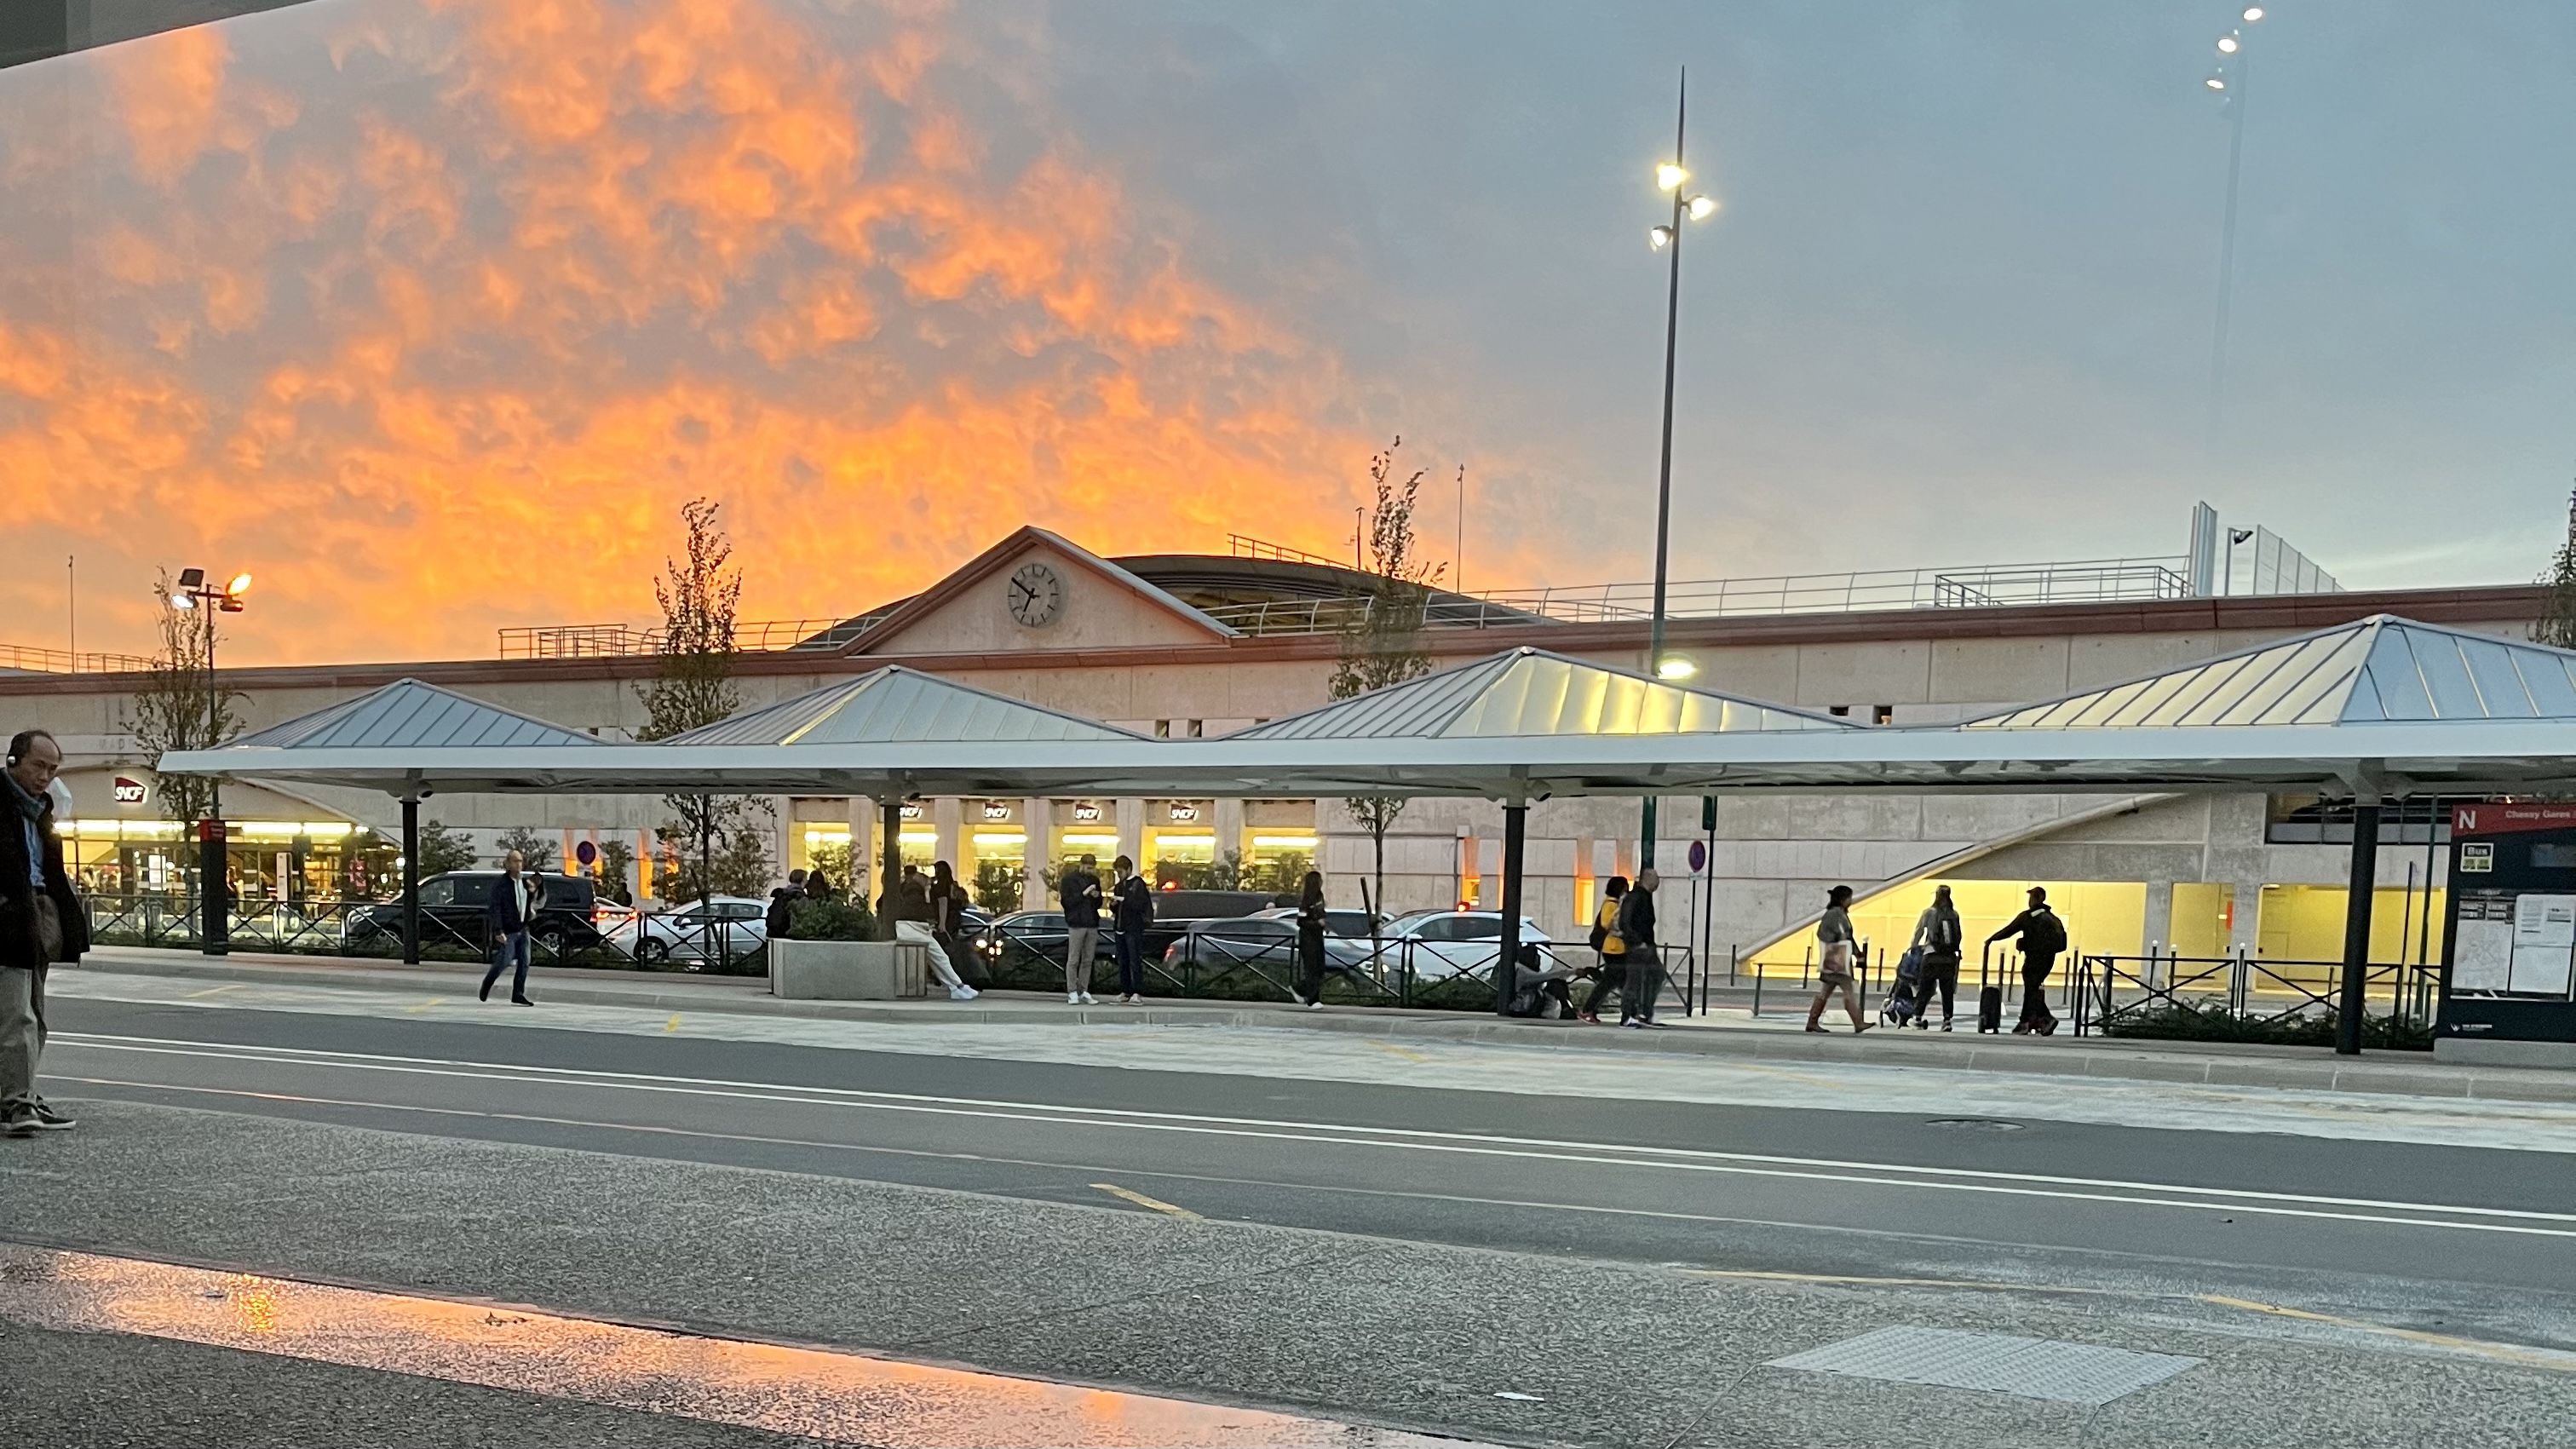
pixel 1669 1159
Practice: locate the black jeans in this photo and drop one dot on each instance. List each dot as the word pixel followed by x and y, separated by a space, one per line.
pixel 1614 977
pixel 1131 963
pixel 1645 983
pixel 1310 963
pixel 2034 988
pixel 1944 972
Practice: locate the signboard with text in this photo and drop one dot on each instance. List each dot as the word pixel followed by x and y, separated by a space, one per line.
pixel 2509 933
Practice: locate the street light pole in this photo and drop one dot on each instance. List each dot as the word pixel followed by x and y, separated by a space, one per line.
pixel 1670 176
pixel 214 929
pixel 2231 88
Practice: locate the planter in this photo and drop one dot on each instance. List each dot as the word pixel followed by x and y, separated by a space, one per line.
pixel 849 970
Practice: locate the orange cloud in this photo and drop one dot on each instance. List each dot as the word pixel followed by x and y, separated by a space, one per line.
pixel 442 343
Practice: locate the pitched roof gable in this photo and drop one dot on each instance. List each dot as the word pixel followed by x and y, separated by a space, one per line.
pixel 885 634
pixel 1525 692
pixel 895 705
pixel 408 714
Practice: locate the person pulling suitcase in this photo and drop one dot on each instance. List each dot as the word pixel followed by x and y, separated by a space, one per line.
pixel 2042 935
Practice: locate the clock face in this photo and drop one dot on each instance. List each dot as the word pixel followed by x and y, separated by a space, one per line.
pixel 1036 595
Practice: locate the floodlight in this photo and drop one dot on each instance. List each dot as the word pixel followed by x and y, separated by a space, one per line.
pixel 1669 177
pixel 2227 45
pixel 1675 667
pixel 1659 237
pixel 192 578
pixel 1702 207
pixel 239 586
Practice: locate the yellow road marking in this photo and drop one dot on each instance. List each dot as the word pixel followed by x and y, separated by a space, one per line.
pixel 1408 1055
pixel 426 1005
pixel 1142 1201
pixel 214 991
pixel 673 1024
pixel 2505 1352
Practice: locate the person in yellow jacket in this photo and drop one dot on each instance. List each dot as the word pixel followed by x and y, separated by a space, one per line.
pixel 1612 972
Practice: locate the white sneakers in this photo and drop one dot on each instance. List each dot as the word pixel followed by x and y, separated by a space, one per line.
pixel 963 993
pixel 1073 998
pixel 1090 1000
pixel 1316 1005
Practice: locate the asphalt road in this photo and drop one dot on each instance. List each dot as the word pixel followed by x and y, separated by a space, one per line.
pixel 2455 1233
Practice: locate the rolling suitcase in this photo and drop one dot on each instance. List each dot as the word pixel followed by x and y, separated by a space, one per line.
pixel 1990 997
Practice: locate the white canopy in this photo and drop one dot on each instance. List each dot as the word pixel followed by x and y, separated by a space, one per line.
pixel 2383 704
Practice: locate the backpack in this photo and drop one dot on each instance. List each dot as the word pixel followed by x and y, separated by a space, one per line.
pixel 1605 930
pixel 2045 935
pixel 774 925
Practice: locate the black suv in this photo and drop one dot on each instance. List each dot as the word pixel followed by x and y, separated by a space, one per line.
pixel 452 906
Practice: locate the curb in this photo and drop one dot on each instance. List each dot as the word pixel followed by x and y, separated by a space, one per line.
pixel 2213 1065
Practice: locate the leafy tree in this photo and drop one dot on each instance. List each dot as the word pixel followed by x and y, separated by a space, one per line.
pixel 694 687
pixel 1382 633
pixel 614 875
pixel 180 706
pixel 833 860
pixel 998 884
pixel 2557 626
pixel 739 865
pixel 536 852
pixel 443 849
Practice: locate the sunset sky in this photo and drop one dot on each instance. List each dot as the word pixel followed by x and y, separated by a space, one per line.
pixel 431 313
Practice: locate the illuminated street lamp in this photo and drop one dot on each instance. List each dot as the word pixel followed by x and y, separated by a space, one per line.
pixel 214 933
pixel 1670 176
pixel 2228 80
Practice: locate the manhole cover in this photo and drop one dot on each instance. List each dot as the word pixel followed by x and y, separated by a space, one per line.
pixel 1974 1124
pixel 2030 1368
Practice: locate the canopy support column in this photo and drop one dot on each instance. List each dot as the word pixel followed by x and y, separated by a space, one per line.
pixel 2356 926
pixel 1515 826
pixel 890 815
pixel 411 880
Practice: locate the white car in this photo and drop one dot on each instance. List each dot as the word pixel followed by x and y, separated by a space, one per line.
pixel 718 928
pixel 1444 943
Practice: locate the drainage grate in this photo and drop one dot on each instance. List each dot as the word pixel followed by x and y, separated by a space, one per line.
pixel 2031 1368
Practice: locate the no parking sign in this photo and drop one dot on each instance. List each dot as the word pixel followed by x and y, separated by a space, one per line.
pixel 1698 856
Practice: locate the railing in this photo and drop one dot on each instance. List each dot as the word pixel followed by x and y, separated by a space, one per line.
pixel 602 641
pixel 1981 586
pixel 1245 546
pixel 2164 993
pixel 64 661
pixel 368 929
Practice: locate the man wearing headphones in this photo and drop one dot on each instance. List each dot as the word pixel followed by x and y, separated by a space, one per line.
pixel 41 922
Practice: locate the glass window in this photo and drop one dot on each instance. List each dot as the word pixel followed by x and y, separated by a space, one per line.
pixel 474 890
pixel 1479 928
pixel 438 893
pixel 1438 928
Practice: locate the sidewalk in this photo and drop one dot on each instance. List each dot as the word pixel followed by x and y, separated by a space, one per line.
pixel 1725 1033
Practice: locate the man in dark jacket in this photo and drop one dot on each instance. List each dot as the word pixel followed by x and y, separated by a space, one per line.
pixel 1132 913
pixel 1644 957
pixel 2042 935
pixel 41 923
pixel 513 909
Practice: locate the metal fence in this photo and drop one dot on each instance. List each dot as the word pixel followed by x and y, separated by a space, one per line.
pixel 2109 993
pixel 372 930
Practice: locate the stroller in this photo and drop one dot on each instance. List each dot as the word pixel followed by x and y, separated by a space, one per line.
pixel 1904 998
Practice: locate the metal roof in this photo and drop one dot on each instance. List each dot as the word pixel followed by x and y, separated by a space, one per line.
pixel 2379 670
pixel 408 714
pixel 895 705
pixel 1531 692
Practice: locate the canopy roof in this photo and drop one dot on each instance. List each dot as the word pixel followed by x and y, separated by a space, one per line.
pixel 2383 704
pixel 1525 692
pixel 896 705
pixel 2378 670
pixel 408 714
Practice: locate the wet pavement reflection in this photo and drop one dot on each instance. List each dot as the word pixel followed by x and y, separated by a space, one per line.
pixel 848 1397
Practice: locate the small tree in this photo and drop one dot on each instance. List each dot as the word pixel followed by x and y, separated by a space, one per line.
pixel 180 706
pixel 695 687
pixel 833 860
pixel 442 849
pixel 2557 625
pixel 998 884
pixel 738 866
pixel 614 875
pixel 536 853
pixel 1381 637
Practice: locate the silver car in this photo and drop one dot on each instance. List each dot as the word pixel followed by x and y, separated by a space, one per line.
pixel 718 929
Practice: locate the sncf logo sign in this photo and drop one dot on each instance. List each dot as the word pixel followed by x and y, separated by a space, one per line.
pixel 128 791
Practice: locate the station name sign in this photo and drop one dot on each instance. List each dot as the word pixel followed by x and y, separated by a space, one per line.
pixel 2492 819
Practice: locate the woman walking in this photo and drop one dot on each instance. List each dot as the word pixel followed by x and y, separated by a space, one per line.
pixel 1610 972
pixel 1834 961
pixel 1310 942
pixel 1936 935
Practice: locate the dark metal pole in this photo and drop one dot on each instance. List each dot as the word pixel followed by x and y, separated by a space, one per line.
pixel 1515 823
pixel 411 882
pixel 1664 477
pixel 890 812
pixel 2356 927
pixel 214 931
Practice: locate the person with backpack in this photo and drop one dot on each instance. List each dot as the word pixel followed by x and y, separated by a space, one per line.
pixel 1611 971
pixel 1937 936
pixel 1834 945
pixel 2042 935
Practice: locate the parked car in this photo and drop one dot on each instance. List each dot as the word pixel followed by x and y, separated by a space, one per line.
pixel 1267 942
pixel 716 929
pixel 1024 936
pixel 1351 923
pixel 1445 943
pixel 452 906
